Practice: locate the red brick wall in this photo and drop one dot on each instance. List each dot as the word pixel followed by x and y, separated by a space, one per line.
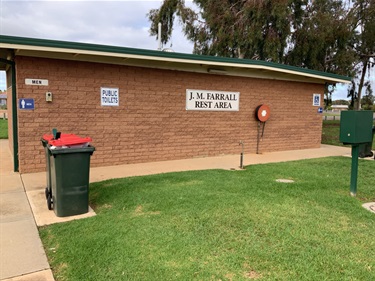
pixel 151 123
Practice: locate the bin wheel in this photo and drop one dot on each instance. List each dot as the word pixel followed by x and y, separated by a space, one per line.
pixel 49 202
pixel 47 193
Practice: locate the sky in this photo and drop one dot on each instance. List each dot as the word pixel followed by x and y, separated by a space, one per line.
pixel 118 23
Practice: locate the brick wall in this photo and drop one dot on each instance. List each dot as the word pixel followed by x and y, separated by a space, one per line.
pixel 151 123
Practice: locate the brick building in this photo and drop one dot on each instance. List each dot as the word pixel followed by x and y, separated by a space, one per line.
pixel 3 99
pixel 141 105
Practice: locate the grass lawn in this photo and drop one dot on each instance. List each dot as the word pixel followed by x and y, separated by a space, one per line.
pixel 3 129
pixel 331 133
pixel 224 225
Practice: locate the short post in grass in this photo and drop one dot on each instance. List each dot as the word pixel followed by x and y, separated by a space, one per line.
pixel 354 172
pixel 241 156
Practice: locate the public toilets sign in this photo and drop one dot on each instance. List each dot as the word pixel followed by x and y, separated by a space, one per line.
pixel 212 100
pixel 109 96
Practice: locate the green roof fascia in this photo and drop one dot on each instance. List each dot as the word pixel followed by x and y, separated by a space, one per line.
pixel 154 53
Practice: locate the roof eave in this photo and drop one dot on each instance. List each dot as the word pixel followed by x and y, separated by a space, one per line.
pixel 76 49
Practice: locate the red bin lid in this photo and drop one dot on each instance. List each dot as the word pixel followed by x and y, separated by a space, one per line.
pixel 49 137
pixel 68 139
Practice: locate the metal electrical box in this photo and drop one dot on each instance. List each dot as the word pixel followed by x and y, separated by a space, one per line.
pixel 356 126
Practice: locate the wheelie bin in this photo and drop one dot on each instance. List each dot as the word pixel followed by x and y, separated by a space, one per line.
pixel 69 170
pixel 365 149
pixel 48 190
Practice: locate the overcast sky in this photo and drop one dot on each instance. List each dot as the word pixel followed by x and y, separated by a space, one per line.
pixel 119 23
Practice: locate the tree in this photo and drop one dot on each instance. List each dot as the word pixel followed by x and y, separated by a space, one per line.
pixel 367 102
pixel 353 95
pixel 324 40
pixel 364 14
pixel 340 102
pixel 326 35
pixel 232 28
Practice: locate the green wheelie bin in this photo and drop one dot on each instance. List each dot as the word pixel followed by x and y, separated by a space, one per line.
pixel 365 149
pixel 47 192
pixel 69 160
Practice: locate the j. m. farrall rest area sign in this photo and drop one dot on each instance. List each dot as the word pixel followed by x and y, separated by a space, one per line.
pixel 212 100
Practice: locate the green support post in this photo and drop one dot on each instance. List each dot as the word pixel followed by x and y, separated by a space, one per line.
pixel 354 175
pixel 14 113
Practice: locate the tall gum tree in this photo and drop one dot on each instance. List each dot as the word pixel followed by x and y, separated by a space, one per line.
pixel 363 12
pixel 326 35
pixel 324 40
pixel 242 29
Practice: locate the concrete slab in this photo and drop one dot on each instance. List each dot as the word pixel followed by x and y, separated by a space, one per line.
pixel 14 206
pixel 21 249
pixel 43 216
pixel 228 162
pixel 35 184
pixel 34 181
pixel 293 155
pixel 6 163
pixel 10 183
pixel 44 275
pixel 369 206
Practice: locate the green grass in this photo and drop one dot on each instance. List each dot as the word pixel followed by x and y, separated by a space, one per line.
pixel 3 129
pixel 331 113
pixel 331 133
pixel 223 225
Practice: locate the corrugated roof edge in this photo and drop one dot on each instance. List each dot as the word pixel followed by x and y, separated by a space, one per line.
pixel 154 53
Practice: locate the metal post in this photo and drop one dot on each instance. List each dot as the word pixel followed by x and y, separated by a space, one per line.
pixel 14 113
pixel 354 175
pixel 241 157
pixel 258 137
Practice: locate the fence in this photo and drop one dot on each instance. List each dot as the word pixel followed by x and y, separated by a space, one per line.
pixel 3 114
pixel 331 117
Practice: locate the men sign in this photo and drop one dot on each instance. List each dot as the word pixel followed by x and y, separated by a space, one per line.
pixel 212 100
pixel 26 104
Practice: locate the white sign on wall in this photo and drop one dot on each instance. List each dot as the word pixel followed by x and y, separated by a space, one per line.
pixel 316 99
pixel 109 96
pixel 212 100
pixel 36 82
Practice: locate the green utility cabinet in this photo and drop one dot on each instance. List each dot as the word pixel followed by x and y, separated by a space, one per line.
pixel 70 169
pixel 356 127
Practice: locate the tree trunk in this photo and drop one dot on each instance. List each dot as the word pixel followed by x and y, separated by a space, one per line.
pixel 361 82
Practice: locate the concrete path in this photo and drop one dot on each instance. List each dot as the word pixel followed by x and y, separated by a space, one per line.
pixel 23 204
pixel 22 254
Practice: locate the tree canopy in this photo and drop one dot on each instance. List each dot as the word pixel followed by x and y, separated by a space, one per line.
pixel 242 29
pixel 364 22
pixel 325 35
